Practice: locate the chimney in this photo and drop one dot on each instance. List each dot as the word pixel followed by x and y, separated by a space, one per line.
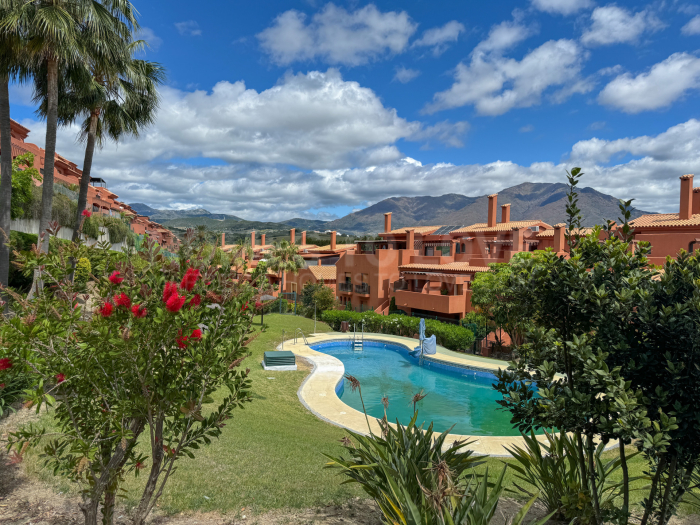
pixel 505 212
pixel 292 235
pixel 559 237
pixel 319 262
pixel 332 240
pixel 223 240
pixel 387 222
pixel 252 239
pixel 410 239
pixel 493 203
pixel 262 239
pixel 686 208
pixel 696 200
pixel 303 238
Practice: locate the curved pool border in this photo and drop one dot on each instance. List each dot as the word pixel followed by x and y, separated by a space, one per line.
pixel 318 391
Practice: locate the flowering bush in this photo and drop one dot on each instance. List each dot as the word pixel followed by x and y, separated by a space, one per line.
pixel 139 358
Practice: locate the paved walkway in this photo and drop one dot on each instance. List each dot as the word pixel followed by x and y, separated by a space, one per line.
pixel 317 392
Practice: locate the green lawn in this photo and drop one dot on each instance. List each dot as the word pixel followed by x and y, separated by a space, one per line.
pixel 270 454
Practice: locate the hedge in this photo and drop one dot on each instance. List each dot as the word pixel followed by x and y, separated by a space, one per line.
pixel 448 335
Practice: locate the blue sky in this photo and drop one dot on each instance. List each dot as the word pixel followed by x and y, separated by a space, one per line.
pixel 281 109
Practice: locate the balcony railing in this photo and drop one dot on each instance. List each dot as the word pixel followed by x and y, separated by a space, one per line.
pixel 362 288
pixel 345 287
pixel 400 285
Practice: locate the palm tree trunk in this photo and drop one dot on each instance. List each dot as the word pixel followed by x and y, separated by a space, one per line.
pixel 87 168
pixel 5 181
pixel 50 151
pixel 49 161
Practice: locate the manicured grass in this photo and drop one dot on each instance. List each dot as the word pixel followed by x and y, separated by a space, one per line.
pixel 270 454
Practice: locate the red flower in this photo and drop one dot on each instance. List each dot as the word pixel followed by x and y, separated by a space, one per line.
pixel 106 310
pixel 175 302
pixel 196 334
pixel 196 300
pixel 122 300
pixel 182 341
pixel 138 310
pixel 5 363
pixel 60 378
pixel 244 307
pixel 170 289
pixel 139 465
pixel 87 213
pixel 258 305
pixel 189 279
pixel 2 385
pixel 114 278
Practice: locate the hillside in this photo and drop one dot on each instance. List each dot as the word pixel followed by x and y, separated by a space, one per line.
pixel 544 201
pixel 306 224
pixel 166 215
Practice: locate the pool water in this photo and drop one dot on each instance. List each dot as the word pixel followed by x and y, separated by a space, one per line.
pixel 460 397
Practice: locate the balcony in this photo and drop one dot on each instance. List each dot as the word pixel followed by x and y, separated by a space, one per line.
pixel 440 304
pixel 345 287
pixel 362 289
pixel 400 285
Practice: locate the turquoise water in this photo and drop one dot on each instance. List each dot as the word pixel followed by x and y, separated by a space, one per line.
pixel 463 398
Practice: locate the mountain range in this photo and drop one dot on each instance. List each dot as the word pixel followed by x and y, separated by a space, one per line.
pixel 544 201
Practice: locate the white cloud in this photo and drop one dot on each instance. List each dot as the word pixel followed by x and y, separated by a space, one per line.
pixel 527 129
pixel 662 85
pixel 449 133
pixel 337 36
pixel 494 84
pixel 188 28
pixel 405 75
pixel 146 33
pixel 439 38
pixel 614 25
pixel 561 7
pixel 505 35
pixel 692 27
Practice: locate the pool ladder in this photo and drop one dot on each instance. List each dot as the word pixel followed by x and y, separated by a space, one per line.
pixel 357 344
pixel 298 333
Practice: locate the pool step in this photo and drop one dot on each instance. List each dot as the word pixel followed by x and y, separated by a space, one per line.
pixel 357 345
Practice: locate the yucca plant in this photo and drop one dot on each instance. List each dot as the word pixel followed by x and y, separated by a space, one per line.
pixel 554 470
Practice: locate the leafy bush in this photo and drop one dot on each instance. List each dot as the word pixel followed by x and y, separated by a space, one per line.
pixel 117 228
pixel 554 469
pixel 91 227
pixel 82 271
pixel 23 176
pixel 63 209
pixel 448 335
pixel 317 295
pixel 140 368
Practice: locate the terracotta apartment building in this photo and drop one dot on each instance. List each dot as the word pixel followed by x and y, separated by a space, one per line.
pixel 428 270
pixel 99 199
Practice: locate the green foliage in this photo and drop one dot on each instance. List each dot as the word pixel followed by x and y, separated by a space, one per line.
pixel 141 367
pixel 63 209
pixel 23 176
pixel 554 470
pixel 117 228
pixel 450 336
pixel 317 295
pixel 477 323
pixel 82 271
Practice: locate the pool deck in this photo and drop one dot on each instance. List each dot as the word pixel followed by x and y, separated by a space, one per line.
pixel 318 391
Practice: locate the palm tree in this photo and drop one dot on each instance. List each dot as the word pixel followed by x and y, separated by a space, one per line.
pixel 284 257
pixel 12 59
pixel 240 255
pixel 113 94
pixel 56 33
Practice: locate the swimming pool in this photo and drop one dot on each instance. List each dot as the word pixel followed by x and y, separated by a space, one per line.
pixel 464 398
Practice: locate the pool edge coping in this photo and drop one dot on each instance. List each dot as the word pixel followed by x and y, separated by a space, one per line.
pixel 317 393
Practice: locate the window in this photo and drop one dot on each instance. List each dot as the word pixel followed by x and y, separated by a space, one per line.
pixel 429 250
pixel 457 248
pixel 463 251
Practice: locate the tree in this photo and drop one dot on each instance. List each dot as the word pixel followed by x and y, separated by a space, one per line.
pixel 12 67
pixel 23 176
pixel 164 337
pixel 285 257
pixel 241 253
pixel 111 94
pixel 607 356
pixel 491 293
pixel 317 297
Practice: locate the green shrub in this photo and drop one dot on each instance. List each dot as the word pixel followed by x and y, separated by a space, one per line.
pixel 117 228
pixel 450 336
pixel 554 469
pixel 82 271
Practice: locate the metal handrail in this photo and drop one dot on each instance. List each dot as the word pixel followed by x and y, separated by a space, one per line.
pixel 296 334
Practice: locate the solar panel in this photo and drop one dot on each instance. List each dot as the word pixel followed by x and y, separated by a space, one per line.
pixel 445 230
